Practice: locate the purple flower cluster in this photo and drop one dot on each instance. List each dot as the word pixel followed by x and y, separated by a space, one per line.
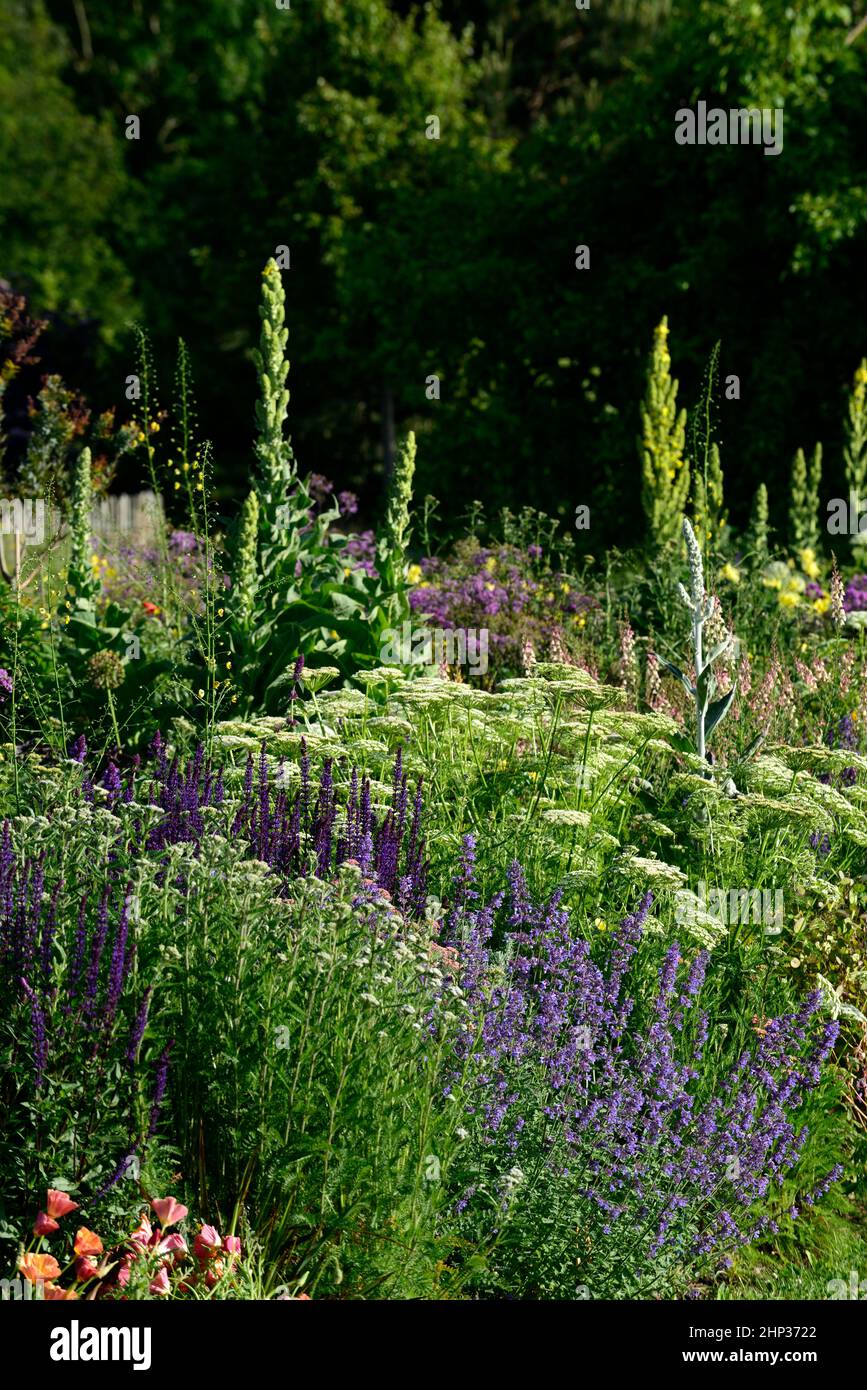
pixel 614 1096
pixel 361 548
pixel 506 591
pixel 5 684
pixel 294 834
pixel 855 597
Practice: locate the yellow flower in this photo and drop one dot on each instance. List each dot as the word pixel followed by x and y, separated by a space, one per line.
pixel 564 588
pixel 491 564
pixel 201 693
pixel 729 572
pixel 772 583
pixel 809 564
pixel 600 925
pixel 228 665
pixel 821 605
pixel 220 612
pixel 413 574
pixel 790 599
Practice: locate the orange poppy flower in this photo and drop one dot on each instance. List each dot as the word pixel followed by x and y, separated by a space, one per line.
pixel 87 1242
pixel 36 1267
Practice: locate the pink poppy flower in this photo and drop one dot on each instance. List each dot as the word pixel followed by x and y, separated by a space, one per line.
pixel 168 1210
pixel 59 1204
pixel 85 1269
pixel 143 1233
pixel 44 1225
pixel 172 1244
pixel 232 1245
pixel 161 1283
pixel 207 1242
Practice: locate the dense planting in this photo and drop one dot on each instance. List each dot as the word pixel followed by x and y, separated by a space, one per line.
pixel 331 971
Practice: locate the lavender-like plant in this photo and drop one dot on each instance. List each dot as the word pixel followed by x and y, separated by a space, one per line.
pixel 594 1118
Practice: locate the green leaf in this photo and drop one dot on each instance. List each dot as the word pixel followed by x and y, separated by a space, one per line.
pixel 717 712
pixel 676 671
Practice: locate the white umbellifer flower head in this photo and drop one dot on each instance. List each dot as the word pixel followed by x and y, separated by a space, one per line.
pixel 561 815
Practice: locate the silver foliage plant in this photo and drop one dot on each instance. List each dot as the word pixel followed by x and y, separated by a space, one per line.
pixel 708 711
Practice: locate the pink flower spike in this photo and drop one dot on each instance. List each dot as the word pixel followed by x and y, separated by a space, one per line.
pixel 161 1283
pixel 232 1245
pixel 44 1225
pixel 169 1212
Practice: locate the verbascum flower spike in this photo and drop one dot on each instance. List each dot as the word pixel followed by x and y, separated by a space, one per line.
pixel 246 570
pixel 804 499
pixel 664 470
pixel 757 536
pixel 855 451
pixel 80 578
pixel 392 551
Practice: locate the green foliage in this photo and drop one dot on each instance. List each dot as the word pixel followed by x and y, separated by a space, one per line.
pixel 63 178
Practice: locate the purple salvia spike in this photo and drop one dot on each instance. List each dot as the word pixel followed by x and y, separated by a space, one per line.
pixel 117 967
pixel 138 1029
pixel 91 990
pixel 305 786
pixel 40 1039
pixel 48 934
pixel 159 1090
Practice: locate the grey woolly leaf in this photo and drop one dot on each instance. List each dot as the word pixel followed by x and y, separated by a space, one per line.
pixel 685 596
pixel 717 712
